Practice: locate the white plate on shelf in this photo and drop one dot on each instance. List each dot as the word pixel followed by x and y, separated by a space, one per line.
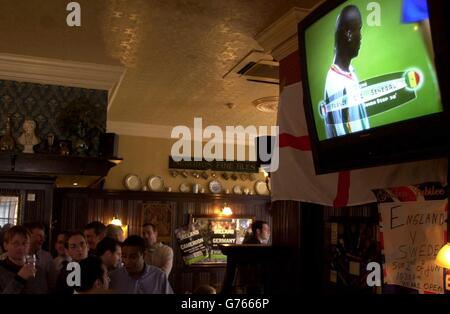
pixel 184 188
pixel 155 183
pixel 237 189
pixel 215 187
pixel 132 182
pixel 261 188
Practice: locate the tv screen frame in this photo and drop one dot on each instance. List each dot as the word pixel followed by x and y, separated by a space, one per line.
pixel 421 138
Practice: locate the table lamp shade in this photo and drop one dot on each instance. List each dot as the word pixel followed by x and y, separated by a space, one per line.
pixel 443 257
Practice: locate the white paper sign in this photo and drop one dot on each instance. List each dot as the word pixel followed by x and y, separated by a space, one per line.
pixel 413 233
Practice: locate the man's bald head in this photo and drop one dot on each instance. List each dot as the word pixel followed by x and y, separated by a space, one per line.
pixel 348 31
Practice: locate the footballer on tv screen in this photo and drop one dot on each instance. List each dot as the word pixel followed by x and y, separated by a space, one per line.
pixel 369 64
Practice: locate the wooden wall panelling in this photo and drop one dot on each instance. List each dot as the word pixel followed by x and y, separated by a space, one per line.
pixel 299 226
pixel 35 207
pixel 353 224
pixel 74 212
pixel 35 198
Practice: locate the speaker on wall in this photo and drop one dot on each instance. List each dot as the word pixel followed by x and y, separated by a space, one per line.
pixel 109 145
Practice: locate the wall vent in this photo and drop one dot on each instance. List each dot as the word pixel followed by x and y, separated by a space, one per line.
pixel 258 67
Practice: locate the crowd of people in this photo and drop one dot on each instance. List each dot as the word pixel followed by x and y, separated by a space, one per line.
pixel 105 262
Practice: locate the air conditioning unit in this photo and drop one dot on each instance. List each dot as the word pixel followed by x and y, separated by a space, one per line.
pixel 256 66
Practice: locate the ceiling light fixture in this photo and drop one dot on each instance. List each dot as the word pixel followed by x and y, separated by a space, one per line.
pixel 227 211
pixel 116 221
pixel 267 104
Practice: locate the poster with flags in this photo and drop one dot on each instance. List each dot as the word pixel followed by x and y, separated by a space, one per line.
pixel 192 244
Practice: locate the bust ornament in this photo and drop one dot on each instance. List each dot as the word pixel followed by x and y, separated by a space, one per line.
pixel 28 138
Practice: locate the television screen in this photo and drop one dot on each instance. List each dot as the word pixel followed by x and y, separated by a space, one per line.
pixel 368 69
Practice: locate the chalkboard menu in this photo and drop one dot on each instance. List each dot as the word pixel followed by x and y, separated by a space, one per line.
pixel 220 230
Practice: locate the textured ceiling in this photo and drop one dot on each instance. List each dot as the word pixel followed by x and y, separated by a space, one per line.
pixel 176 52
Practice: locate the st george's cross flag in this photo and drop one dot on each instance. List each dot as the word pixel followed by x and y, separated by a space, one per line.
pixel 296 179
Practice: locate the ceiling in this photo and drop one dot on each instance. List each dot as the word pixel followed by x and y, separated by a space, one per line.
pixel 176 52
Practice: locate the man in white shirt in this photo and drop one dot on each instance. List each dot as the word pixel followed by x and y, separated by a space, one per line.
pixel 157 253
pixel 343 109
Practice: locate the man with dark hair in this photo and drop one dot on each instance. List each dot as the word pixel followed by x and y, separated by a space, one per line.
pixel 43 258
pixel 94 233
pixel 93 276
pixel 61 250
pixel 260 233
pixel 2 233
pixel 343 109
pixel 78 250
pixel 76 245
pixel 110 252
pixel 157 253
pixel 62 256
pixel 136 277
pixel 115 232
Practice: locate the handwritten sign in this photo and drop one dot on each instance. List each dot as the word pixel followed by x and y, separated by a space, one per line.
pixel 413 233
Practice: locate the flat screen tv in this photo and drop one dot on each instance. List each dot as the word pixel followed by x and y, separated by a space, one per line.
pixel 370 83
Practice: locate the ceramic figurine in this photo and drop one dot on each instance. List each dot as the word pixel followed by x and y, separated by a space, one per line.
pixel 7 141
pixel 28 138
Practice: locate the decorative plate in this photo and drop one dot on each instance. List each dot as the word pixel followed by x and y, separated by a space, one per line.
pixel 237 189
pixel 132 182
pixel 184 188
pixel 155 183
pixel 215 186
pixel 261 188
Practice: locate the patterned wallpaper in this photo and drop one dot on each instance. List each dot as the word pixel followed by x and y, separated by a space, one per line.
pixel 45 104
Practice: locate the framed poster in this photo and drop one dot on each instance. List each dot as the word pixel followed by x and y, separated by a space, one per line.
pixel 217 230
pixel 192 244
pixel 159 214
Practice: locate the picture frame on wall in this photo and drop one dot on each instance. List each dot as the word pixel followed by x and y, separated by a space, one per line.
pixel 159 214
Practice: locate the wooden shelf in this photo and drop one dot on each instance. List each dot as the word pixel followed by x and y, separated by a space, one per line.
pixel 93 168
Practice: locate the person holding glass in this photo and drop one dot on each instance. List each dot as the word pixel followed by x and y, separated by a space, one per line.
pixel 19 273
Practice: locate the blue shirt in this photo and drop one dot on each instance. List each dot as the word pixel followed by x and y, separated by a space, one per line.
pixel 152 281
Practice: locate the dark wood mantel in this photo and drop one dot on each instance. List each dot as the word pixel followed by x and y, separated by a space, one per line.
pixel 65 167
